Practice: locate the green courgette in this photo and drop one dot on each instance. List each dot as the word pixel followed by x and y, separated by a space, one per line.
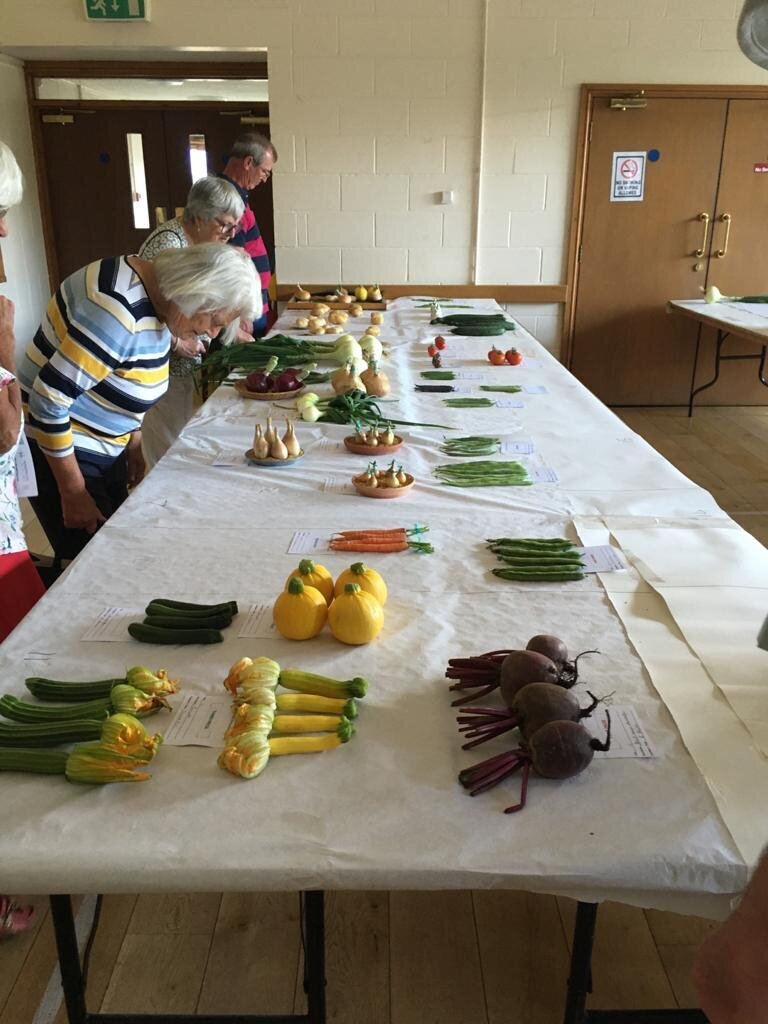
pixel 49 734
pixel 188 621
pixel 165 606
pixel 59 689
pixel 160 635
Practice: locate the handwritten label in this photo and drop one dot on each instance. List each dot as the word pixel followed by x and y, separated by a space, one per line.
pixel 258 623
pixel 628 738
pixel 534 389
pixel 26 481
pixel 338 486
pixel 543 475
pixel 309 542
pixel 508 403
pixel 112 624
pixel 601 558
pixel 198 721
pixel 517 447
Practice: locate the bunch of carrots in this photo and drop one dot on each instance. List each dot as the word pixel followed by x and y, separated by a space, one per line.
pixel 382 541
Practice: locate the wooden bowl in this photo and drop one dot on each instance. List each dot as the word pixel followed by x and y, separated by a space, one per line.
pixel 264 396
pixel 384 492
pixel 365 449
pixel 270 462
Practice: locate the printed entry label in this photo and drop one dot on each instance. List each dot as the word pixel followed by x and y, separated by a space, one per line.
pixel 628 177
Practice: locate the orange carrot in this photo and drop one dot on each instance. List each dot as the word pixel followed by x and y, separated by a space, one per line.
pixel 369 545
pixel 353 534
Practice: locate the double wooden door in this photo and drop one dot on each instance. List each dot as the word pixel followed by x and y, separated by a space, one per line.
pixel 703 220
pixel 90 161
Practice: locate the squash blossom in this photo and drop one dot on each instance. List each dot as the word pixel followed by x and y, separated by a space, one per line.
pixel 95 764
pixel 248 672
pixel 250 718
pixel 127 736
pixel 247 755
pixel 151 682
pixel 128 700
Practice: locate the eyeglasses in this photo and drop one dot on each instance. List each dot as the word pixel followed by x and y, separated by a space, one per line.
pixel 226 227
pixel 4 211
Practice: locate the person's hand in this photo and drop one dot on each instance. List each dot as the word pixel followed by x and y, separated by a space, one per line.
pixel 7 343
pixel 188 348
pixel 135 460
pixel 243 336
pixel 731 970
pixel 80 511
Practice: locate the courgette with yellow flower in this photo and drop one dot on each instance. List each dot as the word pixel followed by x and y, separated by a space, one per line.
pixel 122 699
pixel 139 676
pixel 247 754
pixel 124 746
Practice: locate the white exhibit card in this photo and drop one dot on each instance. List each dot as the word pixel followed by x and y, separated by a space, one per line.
pixel 535 389
pixel 26 481
pixel 229 459
pixel 628 738
pixel 309 542
pixel 601 558
pixel 197 720
pixel 523 447
pixel 508 403
pixel 338 486
pixel 258 623
pixel 112 624
pixel 468 375
pixel 542 475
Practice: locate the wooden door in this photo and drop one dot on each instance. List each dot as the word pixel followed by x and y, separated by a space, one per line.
pixel 89 182
pixel 637 255
pixel 742 198
pixel 218 130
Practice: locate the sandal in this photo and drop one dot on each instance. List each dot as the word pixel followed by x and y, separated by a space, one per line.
pixel 14 918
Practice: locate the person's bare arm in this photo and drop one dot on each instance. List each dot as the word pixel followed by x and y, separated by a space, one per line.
pixel 731 968
pixel 79 510
pixel 10 395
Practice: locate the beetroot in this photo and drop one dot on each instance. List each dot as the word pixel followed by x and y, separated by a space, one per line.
pixel 532 707
pixel 520 668
pixel 554 648
pixel 558 750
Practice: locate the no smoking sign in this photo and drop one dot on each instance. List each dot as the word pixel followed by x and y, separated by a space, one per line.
pixel 628 177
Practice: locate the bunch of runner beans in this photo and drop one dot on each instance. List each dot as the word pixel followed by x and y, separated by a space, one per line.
pixel 473 445
pixel 483 474
pixel 468 403
pixel 537 559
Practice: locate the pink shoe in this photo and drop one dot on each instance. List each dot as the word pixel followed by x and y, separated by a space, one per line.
pixel 13 917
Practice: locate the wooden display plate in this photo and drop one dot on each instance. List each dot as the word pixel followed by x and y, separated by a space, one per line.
pixel 384 492
pixel 270 462
pixel 265 396
pixel 364 449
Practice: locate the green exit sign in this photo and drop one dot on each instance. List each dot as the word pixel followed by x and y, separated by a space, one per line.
pixel 117 10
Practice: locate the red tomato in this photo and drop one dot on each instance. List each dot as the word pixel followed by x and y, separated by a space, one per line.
pixel 436 360
pixel 496 356
pixel 440 342
pixel 513 357
pixel 432 350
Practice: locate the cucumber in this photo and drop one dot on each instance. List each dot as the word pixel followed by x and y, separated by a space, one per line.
pixel 186 608
pixel 58 689
pixel 188 621
pixel 160 635
pixel 482 331
pixel 16 734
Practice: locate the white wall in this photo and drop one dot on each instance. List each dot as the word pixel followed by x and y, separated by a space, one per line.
pixel 23 252
pixel 376 107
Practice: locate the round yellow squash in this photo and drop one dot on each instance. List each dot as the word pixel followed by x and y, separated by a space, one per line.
pixel 312 574
pixel 299 612
pixel 355 617
pixel 370 581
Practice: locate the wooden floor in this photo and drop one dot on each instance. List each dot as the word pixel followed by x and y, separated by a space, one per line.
pixel 407 958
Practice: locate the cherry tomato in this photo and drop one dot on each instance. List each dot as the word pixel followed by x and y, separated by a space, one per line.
pixel 513 357
pixel 496 356
pixel 432 350
pixel 440 342
pixel 436 360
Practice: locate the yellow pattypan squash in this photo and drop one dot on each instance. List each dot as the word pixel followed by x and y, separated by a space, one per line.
pixel 299 612
pixel 312 574
pixel 355 617
pixel 368 578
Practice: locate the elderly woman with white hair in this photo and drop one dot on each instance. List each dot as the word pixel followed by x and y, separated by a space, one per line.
pixel 213 211
pixel 20 585
pixel 99 362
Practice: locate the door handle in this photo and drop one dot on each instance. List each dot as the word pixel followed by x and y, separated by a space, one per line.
pixel 704 218
pixel 725 219
pixel 160 217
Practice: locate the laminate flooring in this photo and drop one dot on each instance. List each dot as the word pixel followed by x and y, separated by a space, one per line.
pixel 404 957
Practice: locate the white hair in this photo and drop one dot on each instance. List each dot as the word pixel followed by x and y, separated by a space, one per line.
pixel 11 180
pixel 208 278
pixel 212 197
pixel 254 145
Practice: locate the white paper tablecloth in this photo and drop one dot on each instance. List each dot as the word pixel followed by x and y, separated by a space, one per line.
pixel 384 811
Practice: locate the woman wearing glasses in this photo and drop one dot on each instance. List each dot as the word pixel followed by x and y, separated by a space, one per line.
pixel 213 211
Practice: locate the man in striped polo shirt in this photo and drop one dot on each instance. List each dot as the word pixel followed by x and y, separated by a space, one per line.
pixel 250 164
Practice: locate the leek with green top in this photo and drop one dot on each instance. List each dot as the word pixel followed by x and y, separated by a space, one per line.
pixel 712 295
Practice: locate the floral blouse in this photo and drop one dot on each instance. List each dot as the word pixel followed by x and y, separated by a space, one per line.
pixel 11 532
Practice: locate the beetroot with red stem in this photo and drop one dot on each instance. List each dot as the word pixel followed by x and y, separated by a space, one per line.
pixel 554 648
pixel 532 707
pixel 558 750
pixel 480 673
